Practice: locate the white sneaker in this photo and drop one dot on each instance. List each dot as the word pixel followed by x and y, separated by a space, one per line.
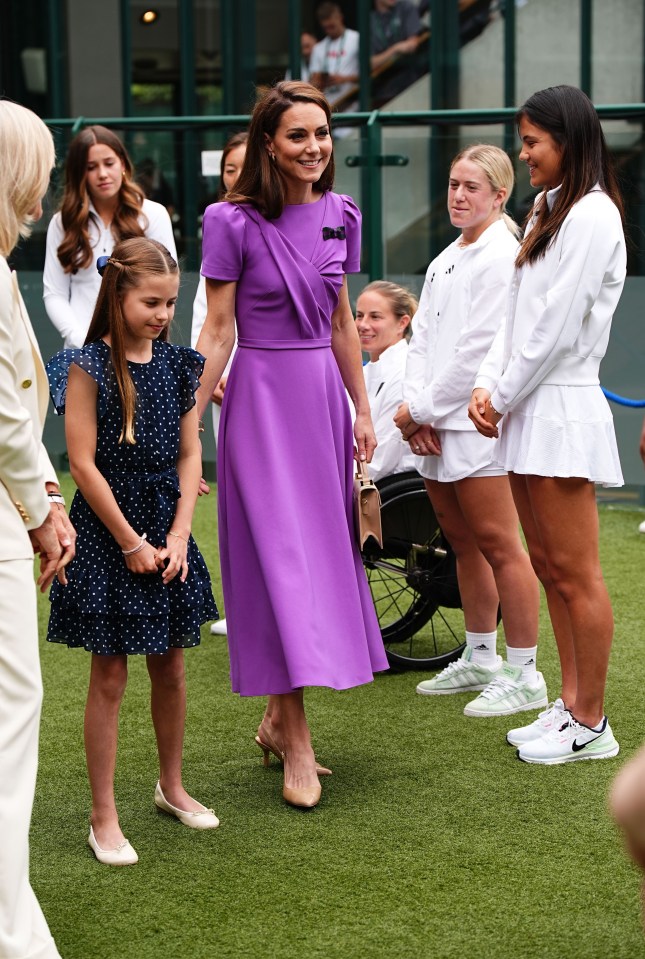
pixel 508 693
pixel 569 743
pixel 462 676
pixel 554 715
pixel 219 628
pixel 641 528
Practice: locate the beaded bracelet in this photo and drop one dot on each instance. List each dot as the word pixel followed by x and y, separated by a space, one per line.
pixel 170 533
pixel 138 548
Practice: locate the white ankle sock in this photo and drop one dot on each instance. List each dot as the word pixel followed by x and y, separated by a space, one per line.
pixel 483 648
pixel 526 658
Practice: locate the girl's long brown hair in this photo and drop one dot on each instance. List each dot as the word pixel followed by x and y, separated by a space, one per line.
pixel 570 117
pixel 75 252
pixel 131 262
pixel 260 182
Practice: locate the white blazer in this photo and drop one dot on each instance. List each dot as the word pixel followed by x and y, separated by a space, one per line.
pixel 561 307
pixel 25 466
pixel 461 309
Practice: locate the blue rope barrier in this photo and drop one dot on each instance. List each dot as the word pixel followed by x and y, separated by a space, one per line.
pixel 622 400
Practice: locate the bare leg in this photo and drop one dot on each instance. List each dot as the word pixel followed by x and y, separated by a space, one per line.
pixel 476 581
pixel 567 519
pixel 168 707
pixel 557 609
pixel 108 677
pixel 299 759
pixel 496 532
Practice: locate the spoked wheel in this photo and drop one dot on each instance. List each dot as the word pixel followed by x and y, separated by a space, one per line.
pixel 413 579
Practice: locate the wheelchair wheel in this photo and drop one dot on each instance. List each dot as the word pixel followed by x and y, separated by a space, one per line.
pixel 413 579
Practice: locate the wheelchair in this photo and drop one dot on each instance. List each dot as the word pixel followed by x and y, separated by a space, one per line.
pixel 413 579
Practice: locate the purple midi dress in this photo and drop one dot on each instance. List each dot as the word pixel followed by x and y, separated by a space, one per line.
pixel 298 607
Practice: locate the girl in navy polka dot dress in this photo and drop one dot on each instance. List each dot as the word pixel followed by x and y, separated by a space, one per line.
pixel 138 583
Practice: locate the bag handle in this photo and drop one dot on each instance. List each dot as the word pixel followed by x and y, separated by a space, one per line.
pixel 362 474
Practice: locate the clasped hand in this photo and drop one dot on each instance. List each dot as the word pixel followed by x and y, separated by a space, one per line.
pixel 482 414
pixel 171 559
pixel 422 437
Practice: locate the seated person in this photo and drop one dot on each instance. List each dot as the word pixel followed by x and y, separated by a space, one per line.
pixel 395 31
pixel 334 60
pixel 384 312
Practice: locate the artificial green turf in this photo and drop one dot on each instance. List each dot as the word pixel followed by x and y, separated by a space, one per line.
pixel 431 839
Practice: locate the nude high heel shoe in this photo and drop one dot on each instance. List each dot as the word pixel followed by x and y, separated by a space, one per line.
pixel 268 745
pixel 303 797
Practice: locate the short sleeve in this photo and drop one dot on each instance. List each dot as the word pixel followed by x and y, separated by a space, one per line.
pixel 191 367
pixel 352 220
pixel 57 368
pixel 224 242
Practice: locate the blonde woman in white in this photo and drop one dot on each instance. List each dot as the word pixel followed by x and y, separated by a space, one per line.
pixel 461 308
pixel 384 313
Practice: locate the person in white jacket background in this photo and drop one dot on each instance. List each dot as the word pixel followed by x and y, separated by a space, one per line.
pixel 101 205
pixel 460 310
pixel 541 377
pixel 384 313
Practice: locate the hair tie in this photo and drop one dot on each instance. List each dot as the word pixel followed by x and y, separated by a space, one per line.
pixel 103 261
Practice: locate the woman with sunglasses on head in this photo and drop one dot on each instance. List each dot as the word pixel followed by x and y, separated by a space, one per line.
pixel 540 380
pixel 101 205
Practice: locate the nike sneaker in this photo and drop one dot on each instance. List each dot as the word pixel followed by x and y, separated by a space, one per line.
pixel 550 718
pixel 508 693
pixel 462 676
pixel 570 742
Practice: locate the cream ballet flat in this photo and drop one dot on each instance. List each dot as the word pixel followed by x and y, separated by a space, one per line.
pixel 122 855
pixel 199 819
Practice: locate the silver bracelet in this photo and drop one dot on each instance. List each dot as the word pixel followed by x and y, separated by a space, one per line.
pixel 56 498
pixel 138 548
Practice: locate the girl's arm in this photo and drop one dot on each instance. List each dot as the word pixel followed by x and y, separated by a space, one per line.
pixel 189 469
pixel 57 287
pixel 347 351
pixel 81 436
pixel 217 337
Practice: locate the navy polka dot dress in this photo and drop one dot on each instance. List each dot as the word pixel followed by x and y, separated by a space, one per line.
pixel 105 608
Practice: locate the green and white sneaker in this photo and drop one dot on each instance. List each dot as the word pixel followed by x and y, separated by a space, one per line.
pixel 569 743
pixel 462 676
pixel 508 694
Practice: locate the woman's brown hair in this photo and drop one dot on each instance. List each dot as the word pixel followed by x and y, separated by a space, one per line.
pixel 570 117
pixel 130 262
pixel 260 181
pixel 75 252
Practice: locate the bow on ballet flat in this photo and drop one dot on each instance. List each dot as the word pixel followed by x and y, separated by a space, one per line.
pixel 333 233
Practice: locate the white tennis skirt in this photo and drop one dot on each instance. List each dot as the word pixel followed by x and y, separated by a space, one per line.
pixel 561 431
pixel 464 454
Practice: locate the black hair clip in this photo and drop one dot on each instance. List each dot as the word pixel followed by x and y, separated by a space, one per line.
pixel 101 263
pixel 331 233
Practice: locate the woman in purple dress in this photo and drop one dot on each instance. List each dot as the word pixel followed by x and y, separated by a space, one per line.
pixel 275 255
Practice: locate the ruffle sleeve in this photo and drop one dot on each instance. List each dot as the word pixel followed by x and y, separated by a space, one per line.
pixel 191 364
pixel 352 219
pixel 89 360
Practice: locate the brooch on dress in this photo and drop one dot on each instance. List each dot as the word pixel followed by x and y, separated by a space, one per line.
pixel 331 233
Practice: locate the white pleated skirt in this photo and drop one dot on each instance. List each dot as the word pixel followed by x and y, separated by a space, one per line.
pixel 561 431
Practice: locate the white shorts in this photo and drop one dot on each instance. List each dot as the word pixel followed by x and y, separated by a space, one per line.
pixel 464 454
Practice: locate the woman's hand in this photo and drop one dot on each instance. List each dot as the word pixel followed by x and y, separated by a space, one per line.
pixel 425 442
pixel 365 437
pixel 404 422
pixel 144 561
pixel 218 392
pixel 482 415
pixel 175 557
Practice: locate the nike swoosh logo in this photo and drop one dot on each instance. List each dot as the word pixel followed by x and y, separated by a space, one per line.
pixel 576 746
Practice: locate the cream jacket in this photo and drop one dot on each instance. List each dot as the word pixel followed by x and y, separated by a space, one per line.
pixel 461 308
pixel 24 395
pixel 561 307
